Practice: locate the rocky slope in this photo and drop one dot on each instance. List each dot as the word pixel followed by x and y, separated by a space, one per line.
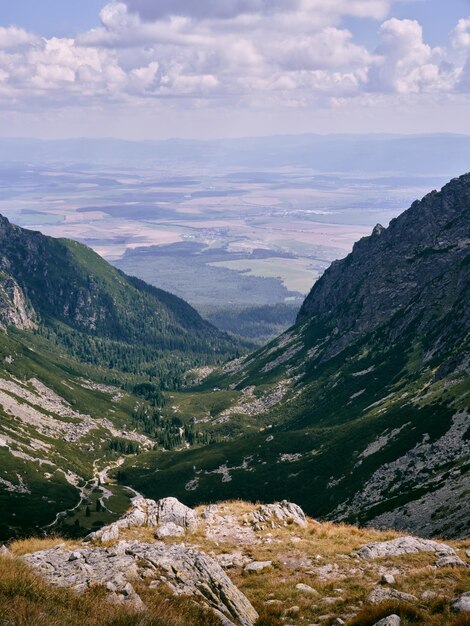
pixel 247 565
pixel 361 411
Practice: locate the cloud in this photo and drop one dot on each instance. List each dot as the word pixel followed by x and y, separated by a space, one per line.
pixel 409 65
pixel 152 10
pixel 13 37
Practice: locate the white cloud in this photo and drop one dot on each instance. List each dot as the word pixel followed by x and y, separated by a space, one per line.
pixel 13 37
pixel 461 35
pixel 408 64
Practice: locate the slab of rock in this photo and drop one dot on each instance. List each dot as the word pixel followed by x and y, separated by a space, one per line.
pixel 382 594
pixel 257 566
pixel 450 561
pixel 185 570
pixel 145 512
pixel 391 620
pixel 462 604
pixel 403 545
pixel 278 515
pixel 169 530
pixel 388 579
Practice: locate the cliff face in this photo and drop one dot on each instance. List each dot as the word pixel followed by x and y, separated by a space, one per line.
pixel 414 271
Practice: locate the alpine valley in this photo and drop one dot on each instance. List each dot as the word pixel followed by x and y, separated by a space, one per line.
pixel 305 461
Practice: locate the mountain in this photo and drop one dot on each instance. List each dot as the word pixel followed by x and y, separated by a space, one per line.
pixel 85 352
pixel 360 412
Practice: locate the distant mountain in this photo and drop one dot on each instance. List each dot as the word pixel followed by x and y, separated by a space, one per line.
pixel 407 154
pixel 361 411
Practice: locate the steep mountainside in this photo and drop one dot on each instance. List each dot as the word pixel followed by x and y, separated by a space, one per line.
pixel 84 354
pixel 361 410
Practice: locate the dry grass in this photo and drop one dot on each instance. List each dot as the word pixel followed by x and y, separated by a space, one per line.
pixel 26 600
pixel 273 591
pixel 27 546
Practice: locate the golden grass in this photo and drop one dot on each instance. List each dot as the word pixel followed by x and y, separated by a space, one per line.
pixel 26 600
pixel 273 591
pixel 34 544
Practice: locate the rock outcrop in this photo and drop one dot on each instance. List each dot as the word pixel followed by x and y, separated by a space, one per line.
pixel 152 514
pixel 403 545
pixel 279 515
pixel 183 569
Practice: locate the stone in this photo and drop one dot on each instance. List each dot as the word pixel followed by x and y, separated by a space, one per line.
pixel 450 561
pixel 381 594
pixel 145 512
pixel 185 571
pixel 257 566
pixel 403 545
pixel 5 552
pixel 462 604
pixel 338 622
pixel 391 620
pixel 169 530
pixel 279 515
pixel 388 579
pixel 306 589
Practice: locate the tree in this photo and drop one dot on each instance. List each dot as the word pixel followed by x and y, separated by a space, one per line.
pixel 87 512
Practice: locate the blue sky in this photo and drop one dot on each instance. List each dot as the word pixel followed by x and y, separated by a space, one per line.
pixel 148 68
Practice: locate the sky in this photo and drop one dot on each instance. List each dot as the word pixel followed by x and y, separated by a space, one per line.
pixel 154 69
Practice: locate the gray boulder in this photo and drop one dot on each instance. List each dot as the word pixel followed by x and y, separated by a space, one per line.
pixel 450 561
pixel 382 594
pixel 403 545
pixel 391 620
pixel 169 530
pixel 462 604
pixel 257 566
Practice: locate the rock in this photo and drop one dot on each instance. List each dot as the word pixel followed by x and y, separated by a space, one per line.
pixel 388 579
pixel 391 620
pixel 338 622
pixel 5 552
pixel 450 561
pixel 403 545
pixel 279 515
pixel 146 512
pixel 169 530
pixel 306 589
pixel 75 556
pixel 185 570
pixel 382 595
pixel 462 604
pixel 257 566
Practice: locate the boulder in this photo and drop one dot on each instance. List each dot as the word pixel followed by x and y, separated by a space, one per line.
pixel 388 579
pixel 382 594
pixel 462 604
pixel 278 515
pixel 169 530
pixel 391 620
pixel 306 589
pixel 450 561
pixel 257 566
pixel 185 570
pixel 403 545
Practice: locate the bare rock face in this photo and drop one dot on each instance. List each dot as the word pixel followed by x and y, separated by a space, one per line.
pixel 403 545
pixel 14 308
pixel 149 513
pixel 279 515
pixel 169 530
pixel 185 570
